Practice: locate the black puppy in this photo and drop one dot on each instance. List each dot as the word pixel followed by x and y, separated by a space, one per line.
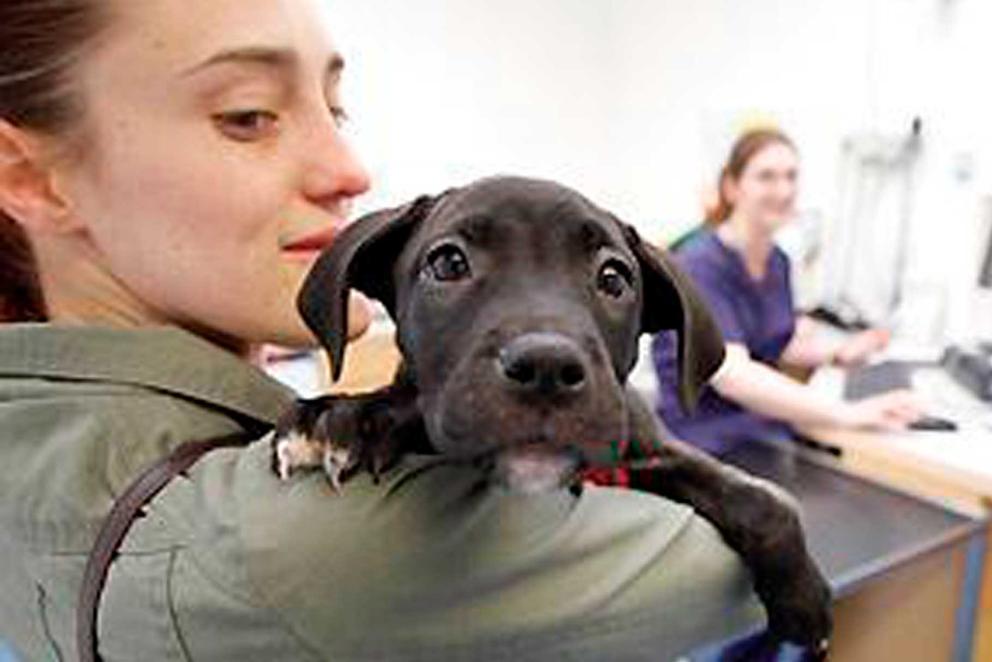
pixel 518 306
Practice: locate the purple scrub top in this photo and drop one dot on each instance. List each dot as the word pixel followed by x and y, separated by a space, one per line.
pixel 757 314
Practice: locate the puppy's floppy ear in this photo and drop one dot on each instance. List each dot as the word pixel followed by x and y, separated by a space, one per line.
pixel 671 301
pixel 361 257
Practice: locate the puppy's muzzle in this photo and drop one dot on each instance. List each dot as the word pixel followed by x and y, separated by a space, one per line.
pixel 545 365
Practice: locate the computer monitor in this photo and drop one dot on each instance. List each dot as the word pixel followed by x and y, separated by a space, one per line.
pixel 980 302
pixel 865 246
pixel 970 363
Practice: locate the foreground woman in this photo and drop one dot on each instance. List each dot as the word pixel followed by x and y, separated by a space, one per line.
pixel 168 171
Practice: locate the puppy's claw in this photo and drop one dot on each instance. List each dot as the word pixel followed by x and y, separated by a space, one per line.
pixel 799 609
pixel 337 460
pixel 334 478
pixel 341 435
pixel 294 451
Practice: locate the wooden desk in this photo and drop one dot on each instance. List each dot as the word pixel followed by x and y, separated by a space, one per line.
pixel 950 468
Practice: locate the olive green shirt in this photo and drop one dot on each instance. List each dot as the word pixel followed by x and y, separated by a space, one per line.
pixel 432 563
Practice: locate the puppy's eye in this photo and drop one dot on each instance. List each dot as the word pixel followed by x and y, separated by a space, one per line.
pixel 614 278
pixel 448 263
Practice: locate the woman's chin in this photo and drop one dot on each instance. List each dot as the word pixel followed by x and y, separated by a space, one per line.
pixel 775 222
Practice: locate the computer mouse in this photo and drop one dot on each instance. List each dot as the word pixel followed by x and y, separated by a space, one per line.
pixel 933 424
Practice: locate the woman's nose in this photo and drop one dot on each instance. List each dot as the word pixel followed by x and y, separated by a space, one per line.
pixel 785 186
pixel 333 169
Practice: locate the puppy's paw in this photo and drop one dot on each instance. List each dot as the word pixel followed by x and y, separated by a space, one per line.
pixel 796 596
pixel 296 451
pixel 293 450
pixel 322 433
pixel 798 604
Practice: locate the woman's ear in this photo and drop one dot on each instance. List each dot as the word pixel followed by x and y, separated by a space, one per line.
pixel 29 192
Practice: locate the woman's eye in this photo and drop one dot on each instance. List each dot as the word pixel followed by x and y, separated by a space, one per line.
pixel 247 125
pixel 448 263
pixel 613 279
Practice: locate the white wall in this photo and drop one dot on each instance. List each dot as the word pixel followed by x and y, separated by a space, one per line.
pixel 444 91
pixel 692 73
pixel 636 101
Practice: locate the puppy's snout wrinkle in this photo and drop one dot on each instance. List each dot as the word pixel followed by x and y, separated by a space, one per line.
pixel 544 364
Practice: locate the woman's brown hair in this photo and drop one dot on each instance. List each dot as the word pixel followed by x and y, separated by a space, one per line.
pixel 40 42
pixel 744 149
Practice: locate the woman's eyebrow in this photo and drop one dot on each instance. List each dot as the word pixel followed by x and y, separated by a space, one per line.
pixel 276 58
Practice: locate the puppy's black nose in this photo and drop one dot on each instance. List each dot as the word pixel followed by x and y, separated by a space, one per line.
pixel 543 363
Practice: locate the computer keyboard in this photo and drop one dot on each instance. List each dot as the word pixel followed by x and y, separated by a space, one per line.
pixel 865 381
pixel 946 402
pixel 948 398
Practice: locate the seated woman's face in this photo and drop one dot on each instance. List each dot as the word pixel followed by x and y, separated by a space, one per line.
pixel 765 192
pixel 215 166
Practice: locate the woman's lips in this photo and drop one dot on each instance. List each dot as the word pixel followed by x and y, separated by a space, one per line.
pixel 316 241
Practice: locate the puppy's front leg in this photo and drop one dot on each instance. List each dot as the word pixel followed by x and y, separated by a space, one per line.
pixel 343 434
pixel 756 518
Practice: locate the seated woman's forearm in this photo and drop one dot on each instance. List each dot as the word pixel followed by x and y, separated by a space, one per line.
pixel 768 392
pixel 806 349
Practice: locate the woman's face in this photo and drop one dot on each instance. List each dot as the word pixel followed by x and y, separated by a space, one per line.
pixel 765 192
pixel 217 167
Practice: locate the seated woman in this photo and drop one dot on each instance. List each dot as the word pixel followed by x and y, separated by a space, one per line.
pixel 744 277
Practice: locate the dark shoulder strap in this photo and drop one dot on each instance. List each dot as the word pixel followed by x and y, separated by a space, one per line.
pixel 126 509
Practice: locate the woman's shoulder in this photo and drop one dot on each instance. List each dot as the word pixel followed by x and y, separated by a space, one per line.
pixel 167 360
pixel 430 540
pixel 82 413
pixel 691 241
pixel 699 242
pixel 65 384
pixel 706 259
pixel 68 447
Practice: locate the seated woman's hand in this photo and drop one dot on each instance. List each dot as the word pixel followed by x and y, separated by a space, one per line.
pixel 862 345
pixel 858 348
pixel 890 411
